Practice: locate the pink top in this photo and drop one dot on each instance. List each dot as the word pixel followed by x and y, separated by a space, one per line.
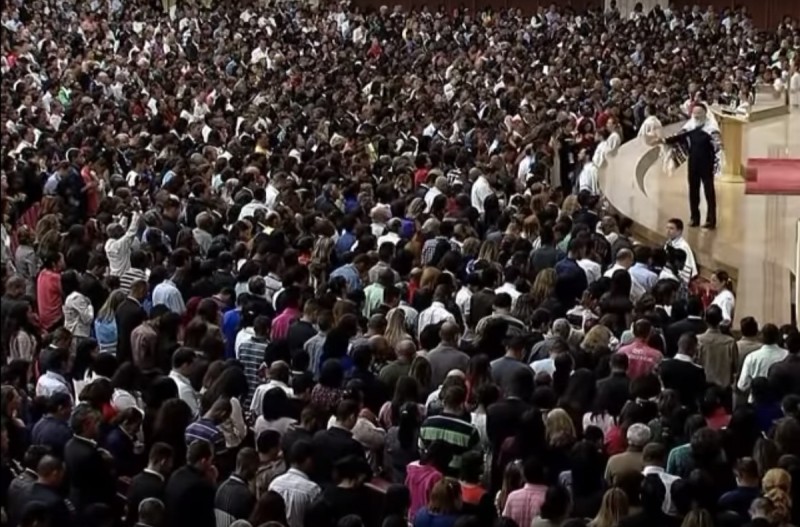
pixel 524 505
pixel 420 480
pixel 280 326
pixel 642 359
pixel 48 297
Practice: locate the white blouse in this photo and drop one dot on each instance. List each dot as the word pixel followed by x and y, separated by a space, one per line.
pixel 78 314
pixel 726 302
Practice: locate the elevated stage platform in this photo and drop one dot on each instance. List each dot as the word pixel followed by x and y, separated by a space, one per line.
pixel 757 240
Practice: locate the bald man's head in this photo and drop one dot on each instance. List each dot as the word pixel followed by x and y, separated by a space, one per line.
pixel 280 371
pixel 405 349
pixel 449 332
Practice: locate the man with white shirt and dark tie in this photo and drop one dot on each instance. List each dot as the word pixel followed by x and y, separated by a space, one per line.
pixel 676 240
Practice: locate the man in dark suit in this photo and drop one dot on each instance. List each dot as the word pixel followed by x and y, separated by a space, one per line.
pixel 151 482
pixel 682 374
pixel 129 315
pixel 20 488
pixel 46 493
pixel 614 390
pixel 482 302
pixel 90 477
pixel 189 495
pixel 92 281
pixel 784 376
pixel 693 323
pixel 336 442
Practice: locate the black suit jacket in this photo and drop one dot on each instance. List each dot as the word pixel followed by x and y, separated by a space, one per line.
pixel 480 305
pixel 502 420
pixel 129 315
pixel 60 514
pixel 329 447
pixel 674 331
pixel 615 390
pixel 145 485
pixel 189 499
pixel 784 376
pixel 90 477
pixel 686 378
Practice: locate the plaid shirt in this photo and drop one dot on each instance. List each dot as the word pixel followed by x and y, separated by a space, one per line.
pixel 524 505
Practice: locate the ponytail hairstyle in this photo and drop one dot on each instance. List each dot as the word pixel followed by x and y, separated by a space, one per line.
pixel 725 279
pixel 776 485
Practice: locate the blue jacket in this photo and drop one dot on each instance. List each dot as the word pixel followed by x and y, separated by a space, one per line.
pixel 424 518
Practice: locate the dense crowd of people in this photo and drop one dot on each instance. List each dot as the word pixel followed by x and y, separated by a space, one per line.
pixel 273 265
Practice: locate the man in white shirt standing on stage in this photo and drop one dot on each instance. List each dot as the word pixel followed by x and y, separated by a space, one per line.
pixel 676 240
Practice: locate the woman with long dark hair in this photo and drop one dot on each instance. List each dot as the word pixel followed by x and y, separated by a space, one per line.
pixel 20 334
pixel 400 446
pixel 328 392
pixel 126 388
pixel 617 301
pixel 160 390
pixel 530 440
pixel 231 384
pixel 405 391
pixel 170 426
pixel 78 310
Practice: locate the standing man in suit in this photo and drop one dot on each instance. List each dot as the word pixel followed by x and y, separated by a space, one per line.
pixel 616 388
pixel 151 482
pixel 47 492
pixel 693 323
pixel 90 477
pixel 189 495
pixel 718 354
pixel 682 374
pixel 701 141
pixel 336 442
pixel 129 315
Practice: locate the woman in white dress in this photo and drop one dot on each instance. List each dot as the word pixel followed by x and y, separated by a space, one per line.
pixel 721 285
pixel 794 88
pixel 652 131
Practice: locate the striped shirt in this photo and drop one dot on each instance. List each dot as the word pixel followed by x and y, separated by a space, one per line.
pixel 205 430
pixel 129 277
pixel 252 354
pixel 461 435
pixel 234 501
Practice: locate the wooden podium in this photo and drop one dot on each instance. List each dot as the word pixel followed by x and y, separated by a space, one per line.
pixel 732 130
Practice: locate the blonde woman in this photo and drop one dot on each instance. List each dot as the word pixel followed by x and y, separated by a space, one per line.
pixel 471 248
pixel 570 206
pixel 396 328
pixel 559 429
pixel 597 340
pixel 105 324
pixel 429 277
pixel 530 228
pixel 544 286
pixel 613 508
pixel 698 518
pixel 489 252
pixel 776 486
